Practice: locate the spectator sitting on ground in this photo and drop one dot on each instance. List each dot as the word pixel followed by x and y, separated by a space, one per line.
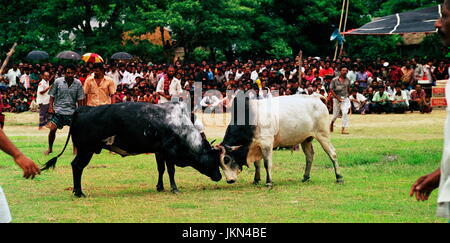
pixel 400 102
pixel 382 102
pixel 419 101
pixel 359 103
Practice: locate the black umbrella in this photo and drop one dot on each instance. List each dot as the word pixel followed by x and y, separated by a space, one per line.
pixel 69 55
pixel 417 21
pixel 122 56
pixel 37 55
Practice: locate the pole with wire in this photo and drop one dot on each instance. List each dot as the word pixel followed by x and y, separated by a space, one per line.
pixel 345 26
pixel 342 25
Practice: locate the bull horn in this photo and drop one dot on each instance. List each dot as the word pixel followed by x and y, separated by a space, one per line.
pixel 212 143
pixel 232 148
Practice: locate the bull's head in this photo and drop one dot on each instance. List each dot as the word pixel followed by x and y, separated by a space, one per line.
pixel 230 167
pixel 208 162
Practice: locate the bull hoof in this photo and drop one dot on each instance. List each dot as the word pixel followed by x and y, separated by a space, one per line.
pixel 175 191
pixel 269 185
pixel 306 179
pixel 256 182
pixel 340 181
pixel 160 188
pixel 79 194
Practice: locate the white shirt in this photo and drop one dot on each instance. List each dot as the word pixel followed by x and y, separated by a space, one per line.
pixel 443 209
pixel 265 94
pixel 404 97
pixel 25 81
pixel 210 100
pixel 174 89
pixel 238 75
pixel 227 75
pixel 254 76
pixel 132 79
pixel 352 76
pixel 43 98
pixel 360 98
pixel 12 76
pixel 125 78
pixel 115 76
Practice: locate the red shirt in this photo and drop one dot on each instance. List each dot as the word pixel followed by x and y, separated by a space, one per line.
pixel 396 74
pixel 326 72
pixel 415 95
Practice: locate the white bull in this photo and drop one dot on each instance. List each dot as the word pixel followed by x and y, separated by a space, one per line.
pixel 278 122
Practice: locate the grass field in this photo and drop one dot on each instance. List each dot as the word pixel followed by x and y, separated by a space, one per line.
pixel 380 160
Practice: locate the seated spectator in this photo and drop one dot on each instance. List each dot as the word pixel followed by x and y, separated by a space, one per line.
pixel 381 101
pixel 419 101
pixel 399 99
pixel 210 102
pixel 359 103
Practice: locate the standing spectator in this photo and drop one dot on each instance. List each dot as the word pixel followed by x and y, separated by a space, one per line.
pixel 13 75
pixel 408 75
pixel 43 100
pixel 169 86
pixel 327 70
pixel 351 74
pixel 255 74
pixel 362 77
pixel 428 70
pixel 99 89
pixel 124 73
pixel 25 80
pixel 441 72
pixel 395 75
pixel 340 89
pixel 30 170
pixel 65 94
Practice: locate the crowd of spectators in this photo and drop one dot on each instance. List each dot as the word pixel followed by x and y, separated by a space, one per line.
pixel 377 86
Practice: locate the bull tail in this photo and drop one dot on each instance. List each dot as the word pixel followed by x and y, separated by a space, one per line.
pixel 52 163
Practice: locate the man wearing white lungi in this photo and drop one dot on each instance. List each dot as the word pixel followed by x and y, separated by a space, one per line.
pixel 340 89
pixel 30 170
pixel 441 177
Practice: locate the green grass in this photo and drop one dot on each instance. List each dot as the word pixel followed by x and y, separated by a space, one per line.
pixel 378 174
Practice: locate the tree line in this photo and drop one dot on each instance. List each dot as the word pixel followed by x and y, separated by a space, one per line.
pixel 205 29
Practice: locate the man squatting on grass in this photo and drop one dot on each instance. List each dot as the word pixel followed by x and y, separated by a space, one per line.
pixel 30 170
pixel 441 177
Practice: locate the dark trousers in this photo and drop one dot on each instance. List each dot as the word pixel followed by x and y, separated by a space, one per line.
pixel 44 116
pixel 416 106
pixel 400 108
pixel 380 108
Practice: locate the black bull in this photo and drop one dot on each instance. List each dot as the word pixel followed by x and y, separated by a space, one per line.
pixel 139 128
